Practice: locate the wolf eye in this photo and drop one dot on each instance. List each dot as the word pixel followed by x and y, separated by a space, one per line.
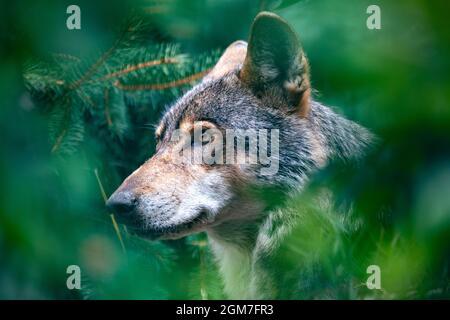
pixel 206 137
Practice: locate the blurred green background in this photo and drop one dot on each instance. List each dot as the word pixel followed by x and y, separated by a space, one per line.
pixel 395 81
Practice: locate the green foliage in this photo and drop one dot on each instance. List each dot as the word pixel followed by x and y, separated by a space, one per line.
pixel 93 108
pixel 75 92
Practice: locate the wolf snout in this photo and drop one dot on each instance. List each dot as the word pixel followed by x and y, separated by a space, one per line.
pixel 122 203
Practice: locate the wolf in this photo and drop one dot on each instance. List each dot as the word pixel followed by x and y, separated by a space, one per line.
pixel 262 84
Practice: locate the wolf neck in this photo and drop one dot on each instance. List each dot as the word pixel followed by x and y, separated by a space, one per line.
pixel 238 245
pixel 232 243
pixel 235 265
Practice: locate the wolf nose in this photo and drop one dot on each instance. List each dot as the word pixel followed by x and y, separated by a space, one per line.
pixel 121 203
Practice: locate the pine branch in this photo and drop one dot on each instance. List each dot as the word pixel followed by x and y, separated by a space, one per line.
pixel 132 28
pixel 162 86
pixel 66 127
pixel 130 73
pixel 88 74
pixel 138 66
pixel 58 141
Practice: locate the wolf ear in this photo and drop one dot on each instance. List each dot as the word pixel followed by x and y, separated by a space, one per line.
pixel 275 59
pixel 231 59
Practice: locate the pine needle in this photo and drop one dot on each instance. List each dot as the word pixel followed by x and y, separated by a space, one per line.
pixel 58 141
pixel 141 65
pixel 107 112
pixel 161 86
pixel 115 225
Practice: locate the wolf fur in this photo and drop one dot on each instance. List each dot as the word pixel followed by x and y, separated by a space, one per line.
pixel 260 85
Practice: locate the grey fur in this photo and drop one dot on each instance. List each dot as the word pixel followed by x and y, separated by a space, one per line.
pixel 244 229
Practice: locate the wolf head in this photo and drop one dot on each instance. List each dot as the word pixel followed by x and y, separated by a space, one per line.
pixel 262 87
